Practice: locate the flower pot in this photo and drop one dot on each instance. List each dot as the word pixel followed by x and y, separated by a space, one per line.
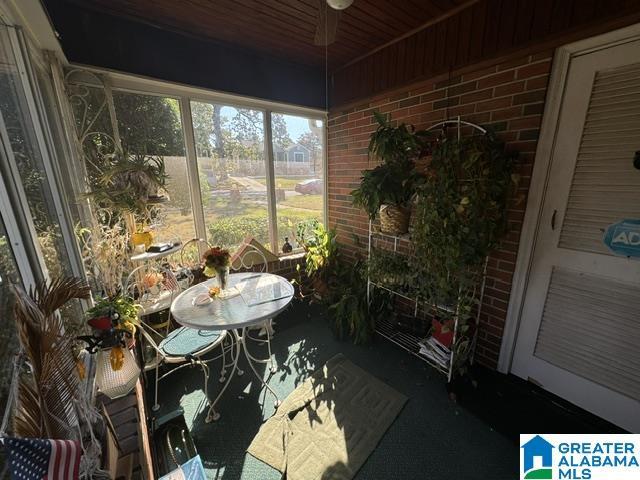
pixel 222 273
pixel 142 238
pixel 394 220
pixel 446 337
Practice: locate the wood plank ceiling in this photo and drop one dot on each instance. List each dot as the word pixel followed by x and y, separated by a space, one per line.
pixel 285 28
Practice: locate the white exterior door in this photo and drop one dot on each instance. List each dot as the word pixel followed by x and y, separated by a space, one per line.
pixel 579 334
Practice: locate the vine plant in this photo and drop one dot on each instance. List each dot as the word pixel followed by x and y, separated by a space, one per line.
pixel 461 216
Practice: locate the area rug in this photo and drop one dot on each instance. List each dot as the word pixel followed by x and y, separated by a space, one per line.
pixel 328 426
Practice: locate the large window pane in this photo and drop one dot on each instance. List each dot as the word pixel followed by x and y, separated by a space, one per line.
pixel 8 338
pixel 231 166
pixel 150 126
pixel 17 121
pixel 298 155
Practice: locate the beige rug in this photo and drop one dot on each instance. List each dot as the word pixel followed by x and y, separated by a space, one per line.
pixel 328 426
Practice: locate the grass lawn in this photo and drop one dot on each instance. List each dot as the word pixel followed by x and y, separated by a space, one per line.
pixel 288 183
pixel 310 202
pixel 297 209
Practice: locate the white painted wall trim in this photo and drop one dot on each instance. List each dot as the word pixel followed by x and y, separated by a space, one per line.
pixel 540 176
pixel 31 16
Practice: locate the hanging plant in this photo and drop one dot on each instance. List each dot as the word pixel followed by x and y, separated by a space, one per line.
pixel 130 183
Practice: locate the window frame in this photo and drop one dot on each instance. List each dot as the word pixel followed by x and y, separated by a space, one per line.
pixel 185 95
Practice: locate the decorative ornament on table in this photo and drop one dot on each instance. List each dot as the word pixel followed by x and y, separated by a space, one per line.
pixel 216 264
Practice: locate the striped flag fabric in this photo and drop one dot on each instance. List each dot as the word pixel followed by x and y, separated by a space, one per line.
pixel 38 459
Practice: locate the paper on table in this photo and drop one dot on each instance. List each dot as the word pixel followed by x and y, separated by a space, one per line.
pixel 263 289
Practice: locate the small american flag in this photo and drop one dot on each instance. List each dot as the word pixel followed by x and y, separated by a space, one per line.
pixel 170 282
pixel 36 459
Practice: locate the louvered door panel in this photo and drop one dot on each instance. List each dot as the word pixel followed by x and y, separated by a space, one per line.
pixel 605 186
pixel 591 327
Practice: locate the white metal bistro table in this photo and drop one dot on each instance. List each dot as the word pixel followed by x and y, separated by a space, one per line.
pixel 261 296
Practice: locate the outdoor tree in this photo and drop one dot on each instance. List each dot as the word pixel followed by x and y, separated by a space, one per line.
pixel 149 125
pixel 312 142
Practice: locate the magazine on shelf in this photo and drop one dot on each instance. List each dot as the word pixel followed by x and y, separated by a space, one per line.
pixel 435 350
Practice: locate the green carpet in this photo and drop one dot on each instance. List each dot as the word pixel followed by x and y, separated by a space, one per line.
pixel 432 438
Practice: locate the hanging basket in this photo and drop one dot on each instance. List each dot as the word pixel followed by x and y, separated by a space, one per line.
pixel 394 220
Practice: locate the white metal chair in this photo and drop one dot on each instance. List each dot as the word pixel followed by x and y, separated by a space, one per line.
pixel 153 287
pixel 192 251
pixel 184 346
pixel 254 260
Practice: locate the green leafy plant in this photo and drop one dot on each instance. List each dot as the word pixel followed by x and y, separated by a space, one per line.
pixel 321 257
pixel 461 215
pixel 128 182
pixel 393 143
pixel 349 313
pixel 123 306
pixel 395 180
pixel 392 270
pixel 388 184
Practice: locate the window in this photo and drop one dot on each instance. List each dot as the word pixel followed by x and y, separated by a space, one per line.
pixel 299 184
pixel 232 172
pixel 221 163
pixel 8 337
pixel 150 126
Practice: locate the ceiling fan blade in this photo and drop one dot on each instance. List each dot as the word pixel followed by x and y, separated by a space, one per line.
pixel 327 25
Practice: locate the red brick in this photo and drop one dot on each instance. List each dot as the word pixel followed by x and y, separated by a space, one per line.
pixel 497 79
pixel 506 113
pixel 534 69
pixel 494 104
pixel 508 89
pixel 510 96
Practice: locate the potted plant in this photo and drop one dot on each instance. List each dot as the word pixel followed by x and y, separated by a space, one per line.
pixel 130 184
pixel 388 189
pixel 216 264
pixel 321 251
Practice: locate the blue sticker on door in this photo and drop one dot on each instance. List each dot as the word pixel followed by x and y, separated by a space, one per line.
pixel 623 238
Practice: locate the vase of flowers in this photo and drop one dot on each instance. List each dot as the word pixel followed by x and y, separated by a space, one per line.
pixel 216 264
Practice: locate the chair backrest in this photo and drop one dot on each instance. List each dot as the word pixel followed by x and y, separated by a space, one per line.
pixel 153 287
pixel 252 259
pixel 191 260
pixel 192 251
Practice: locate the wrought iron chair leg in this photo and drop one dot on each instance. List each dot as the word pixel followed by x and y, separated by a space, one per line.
pixel 223 371
pixel 267 327
pixel 156 405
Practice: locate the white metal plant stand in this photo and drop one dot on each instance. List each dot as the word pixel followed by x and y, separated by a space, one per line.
pixel 442 359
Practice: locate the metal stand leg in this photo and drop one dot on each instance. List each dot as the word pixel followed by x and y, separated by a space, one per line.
pixel 251 360
pixel 212 415
pixel 156 405
pixel 269 329
pixel 241 345
pixel 223 371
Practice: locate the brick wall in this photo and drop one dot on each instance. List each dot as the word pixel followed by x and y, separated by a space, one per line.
pixel 508 96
